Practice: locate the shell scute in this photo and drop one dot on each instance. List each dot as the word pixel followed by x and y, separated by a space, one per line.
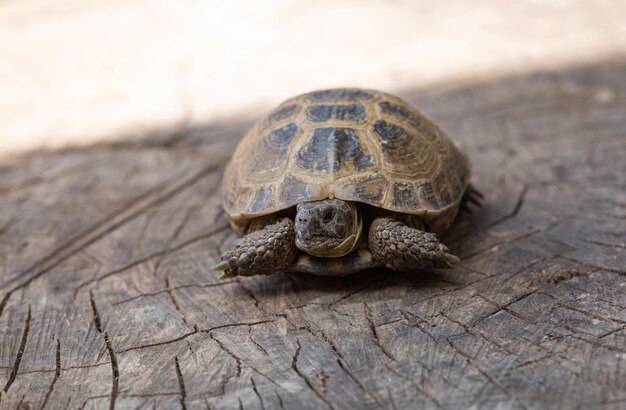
pixel 406 157
pixel 340 93
pixel 352 113
pixel 294 190
pixel 404 196
pixel 426 194
pixel 269 158
pixel 262 199
pixel 400 113
pixel 283 112
pixel 314 155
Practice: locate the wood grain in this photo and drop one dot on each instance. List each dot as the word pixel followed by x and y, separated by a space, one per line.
pixel 107 299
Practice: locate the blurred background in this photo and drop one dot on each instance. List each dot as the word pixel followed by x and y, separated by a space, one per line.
pixel 75 72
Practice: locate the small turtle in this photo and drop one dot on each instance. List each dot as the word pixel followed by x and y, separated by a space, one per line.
pixel 336 181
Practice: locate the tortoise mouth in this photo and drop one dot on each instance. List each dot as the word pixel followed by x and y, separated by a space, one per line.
pixel 329 247
pixel 319 237
pixel 318 245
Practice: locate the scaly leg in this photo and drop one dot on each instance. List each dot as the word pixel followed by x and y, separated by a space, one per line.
pixel 406 249
pixel 262 252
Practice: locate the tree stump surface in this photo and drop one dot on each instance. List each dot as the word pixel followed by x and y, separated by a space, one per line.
pixel 107 299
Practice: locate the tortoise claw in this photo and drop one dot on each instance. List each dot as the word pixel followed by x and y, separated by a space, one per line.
pixel 227 275
pixel 222 266
pixel 451 259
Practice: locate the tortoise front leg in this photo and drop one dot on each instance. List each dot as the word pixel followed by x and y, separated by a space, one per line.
pixel 406 249
pixel 262 252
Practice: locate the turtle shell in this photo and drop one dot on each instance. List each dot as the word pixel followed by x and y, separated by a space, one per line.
pixel 351 144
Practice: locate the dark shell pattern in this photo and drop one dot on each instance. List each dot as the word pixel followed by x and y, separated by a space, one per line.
pixel 351 144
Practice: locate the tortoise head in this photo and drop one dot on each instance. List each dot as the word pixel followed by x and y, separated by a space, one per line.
pixel 330 228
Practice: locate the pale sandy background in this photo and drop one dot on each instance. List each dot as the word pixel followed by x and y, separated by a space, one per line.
pixel 75 71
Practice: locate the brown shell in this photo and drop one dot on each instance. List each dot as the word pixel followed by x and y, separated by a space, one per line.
pixel 351 144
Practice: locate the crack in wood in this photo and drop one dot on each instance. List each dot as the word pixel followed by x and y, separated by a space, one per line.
pixel 500 243
pixel 468 329
pixel 179 228
pixel 516 208
pixel 256 391
pixel 20 353
pixel 418 388
pixel 609 333
pixel 505 308
pixel 182 314
pixel 423 330
pixel 227 325
pixel 375 338
pixel 526 268
pixel 470 361
pixel 590 314
pixel 5 227
pixel 257 344
pixel 109 348
pixel 57 373
pixel 181 384
pixel 161 343
pixel 100 396
pixel 195 331
pixel 149 257
pixel 280 400
pixel 69 244
pixel 191 285
pixel 250 294
pixel 605 244
pixel 63 369
pixel 354 292
pixel 593 266
pixel 72 250
pixel 294 366
pixel 342 364
pixel 232 356
pixel 5 300
pixel 341 361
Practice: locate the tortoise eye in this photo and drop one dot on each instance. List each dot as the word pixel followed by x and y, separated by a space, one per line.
pixel 328 216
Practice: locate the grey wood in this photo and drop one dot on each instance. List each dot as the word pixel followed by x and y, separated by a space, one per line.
pixel 107 299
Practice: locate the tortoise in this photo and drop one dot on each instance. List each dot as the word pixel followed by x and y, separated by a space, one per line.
pixel 336 181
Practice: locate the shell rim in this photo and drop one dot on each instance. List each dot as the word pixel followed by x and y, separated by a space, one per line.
pixel 242 217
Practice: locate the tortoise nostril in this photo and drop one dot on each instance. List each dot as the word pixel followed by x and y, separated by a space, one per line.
pixel 303 220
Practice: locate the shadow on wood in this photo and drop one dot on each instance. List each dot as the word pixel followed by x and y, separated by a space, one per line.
pixel 107 299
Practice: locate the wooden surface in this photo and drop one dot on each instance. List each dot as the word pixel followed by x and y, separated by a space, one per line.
pixel 107 299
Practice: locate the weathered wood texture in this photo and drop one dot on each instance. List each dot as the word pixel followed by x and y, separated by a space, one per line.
pixel 107 299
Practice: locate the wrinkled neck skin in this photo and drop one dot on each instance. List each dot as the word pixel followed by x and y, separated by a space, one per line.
pixel 330 228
